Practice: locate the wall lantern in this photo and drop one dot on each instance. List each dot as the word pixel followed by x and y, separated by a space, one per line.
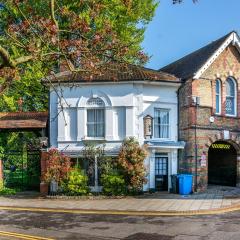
pixel 148 128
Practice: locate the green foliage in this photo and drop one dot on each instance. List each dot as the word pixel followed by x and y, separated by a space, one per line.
pixel 131 163
pixel 76 183
pixel 128 18
pixel 111 179
pixel 29 88
pixel 113 183
pixel 16 141
pixel 5 190
pixel 1 152
pixel 26 29
pixel 107 164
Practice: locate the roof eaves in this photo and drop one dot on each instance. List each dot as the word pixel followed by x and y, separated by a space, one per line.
pixel 214 56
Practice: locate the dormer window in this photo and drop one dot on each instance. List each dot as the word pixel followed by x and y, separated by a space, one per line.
pixel 95 118
pixel 230 105
pixel 218 91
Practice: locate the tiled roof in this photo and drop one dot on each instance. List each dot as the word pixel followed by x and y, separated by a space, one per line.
pixel 23 120
pixel 187 66
pixel 117 74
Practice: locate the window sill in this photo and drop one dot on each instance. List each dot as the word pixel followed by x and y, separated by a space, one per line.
pixel 93 139
pixel 66 140
pixel 229 115
pixel 160 139
pixel 226 116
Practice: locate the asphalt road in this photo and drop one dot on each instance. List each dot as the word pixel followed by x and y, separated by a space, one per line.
pixel 99 227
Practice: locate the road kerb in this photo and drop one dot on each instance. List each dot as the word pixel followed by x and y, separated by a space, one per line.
pixel 126 212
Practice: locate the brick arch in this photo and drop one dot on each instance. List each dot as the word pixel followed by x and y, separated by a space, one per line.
pixel 234 140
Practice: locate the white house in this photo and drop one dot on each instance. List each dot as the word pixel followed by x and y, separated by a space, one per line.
pixel 109 111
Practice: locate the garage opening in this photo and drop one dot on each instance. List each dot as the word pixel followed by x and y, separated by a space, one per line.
pixel 222 164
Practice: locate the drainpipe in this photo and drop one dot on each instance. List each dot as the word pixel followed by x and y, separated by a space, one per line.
pixel 196 102
pixel 178 121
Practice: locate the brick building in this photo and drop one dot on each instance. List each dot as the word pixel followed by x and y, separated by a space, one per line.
pixel 209 112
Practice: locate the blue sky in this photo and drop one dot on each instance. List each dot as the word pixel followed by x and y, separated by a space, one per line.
pixel 177 30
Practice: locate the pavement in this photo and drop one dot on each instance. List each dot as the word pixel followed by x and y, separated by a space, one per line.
pixel 214 200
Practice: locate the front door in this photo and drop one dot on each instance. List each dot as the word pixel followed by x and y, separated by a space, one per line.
pixel 161 172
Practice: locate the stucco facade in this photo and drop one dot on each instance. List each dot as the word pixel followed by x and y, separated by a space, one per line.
pixel 125 105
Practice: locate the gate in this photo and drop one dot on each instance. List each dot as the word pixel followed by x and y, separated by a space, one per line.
pixel 22 170
pixel 222 164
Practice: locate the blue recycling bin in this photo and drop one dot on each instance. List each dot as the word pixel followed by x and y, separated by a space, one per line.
pixel 185 183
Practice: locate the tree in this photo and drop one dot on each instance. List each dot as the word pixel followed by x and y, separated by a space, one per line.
pixel 86 35
pixel 36 35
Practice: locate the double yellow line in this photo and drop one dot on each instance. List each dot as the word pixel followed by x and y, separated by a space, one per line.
pixel 129 213
pixel 22 236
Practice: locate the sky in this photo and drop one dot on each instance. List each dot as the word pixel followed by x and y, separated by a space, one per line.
pixel 177 30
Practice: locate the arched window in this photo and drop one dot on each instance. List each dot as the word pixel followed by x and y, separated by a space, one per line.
pixel 95 118
pixel 218 96
pixel 230 97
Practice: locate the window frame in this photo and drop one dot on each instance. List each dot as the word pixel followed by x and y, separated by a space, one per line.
pixel 219 94
pixel 169 124
pixel 95 108
pixel 234 97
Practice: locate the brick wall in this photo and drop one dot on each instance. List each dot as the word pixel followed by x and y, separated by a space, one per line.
pixel 227 64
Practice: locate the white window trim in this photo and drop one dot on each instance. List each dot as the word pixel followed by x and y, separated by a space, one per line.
pixel 86 124
pixel 169 125
pixel 220 97
pixel 235 98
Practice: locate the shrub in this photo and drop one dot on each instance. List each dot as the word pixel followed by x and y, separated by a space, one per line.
pixel 1 184
pixel 5 190
pixel 113 184
pixel 58 166
pixel 76 183
pixel 131 162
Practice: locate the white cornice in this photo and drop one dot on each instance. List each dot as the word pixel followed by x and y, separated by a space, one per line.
pixel 233 38
pixel 146 82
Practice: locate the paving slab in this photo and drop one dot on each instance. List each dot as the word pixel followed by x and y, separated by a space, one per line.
pixel 212 199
